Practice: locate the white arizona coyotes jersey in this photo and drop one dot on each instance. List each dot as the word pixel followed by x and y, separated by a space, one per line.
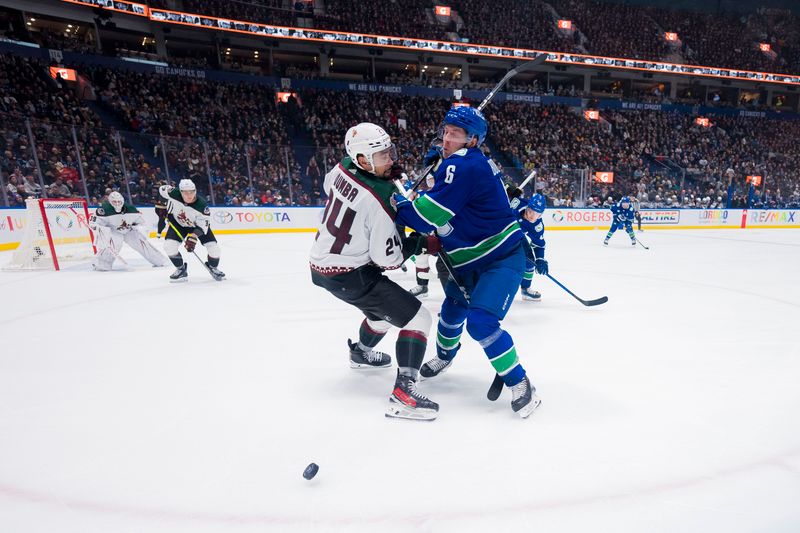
pixel 122 221
pixel 357 225
pixel 194 215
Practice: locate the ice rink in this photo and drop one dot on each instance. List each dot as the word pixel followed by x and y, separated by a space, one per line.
pixel 128 404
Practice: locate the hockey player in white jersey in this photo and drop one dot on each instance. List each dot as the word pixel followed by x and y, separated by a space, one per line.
pixel 357 240
pixel 189 218
pixel 116 222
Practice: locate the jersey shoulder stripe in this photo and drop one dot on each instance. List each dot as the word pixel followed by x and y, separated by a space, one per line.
pixel 383 202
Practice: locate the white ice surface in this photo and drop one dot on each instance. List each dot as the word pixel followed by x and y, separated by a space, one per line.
pixel 131 405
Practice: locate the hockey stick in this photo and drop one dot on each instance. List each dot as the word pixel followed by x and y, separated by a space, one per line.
pixel 588 303
pixel 643 246
pixel 522 185
pixel 171 225
pixel 510 74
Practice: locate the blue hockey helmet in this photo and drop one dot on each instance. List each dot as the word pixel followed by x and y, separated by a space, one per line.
pixel 537 203
pixel 625 200
pixel 470 120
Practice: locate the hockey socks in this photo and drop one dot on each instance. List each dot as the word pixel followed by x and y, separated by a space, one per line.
pixel 410 349
pixel 447 339
pixel 497 344
pixel 369 337
pixel 177 260
pixel 527 279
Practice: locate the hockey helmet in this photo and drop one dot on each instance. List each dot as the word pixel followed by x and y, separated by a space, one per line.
pixel 371 141
pixel 186 185
pixel 470 120
pixel 625 200
pixel 537 203
pixel 116 200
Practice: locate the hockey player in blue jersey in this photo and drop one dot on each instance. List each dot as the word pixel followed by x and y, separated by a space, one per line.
pixel 624 215
pixel 469 210
pixel 530 219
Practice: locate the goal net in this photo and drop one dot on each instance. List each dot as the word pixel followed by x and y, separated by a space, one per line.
pixel 56 230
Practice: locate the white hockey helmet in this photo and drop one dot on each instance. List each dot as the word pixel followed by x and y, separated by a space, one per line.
pixel 369 139
pixel 116 200
pixel 186 185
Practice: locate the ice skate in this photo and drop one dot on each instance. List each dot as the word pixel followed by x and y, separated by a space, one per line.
pixel 367 359
pixel 217 274
pixel 407 402
pixel 179 275
pixel 420 291
pixel 605 241
pixel 524 400
pixel 529 294
pixel 434 367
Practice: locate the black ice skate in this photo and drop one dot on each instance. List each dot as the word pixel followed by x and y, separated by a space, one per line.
pixel 367 359
pixel 216 273
pixel 528 294
pixel 179 275
pixel 524 400
pixel 406 402
pixel 605 241
pixel 420 291
pixel 434 367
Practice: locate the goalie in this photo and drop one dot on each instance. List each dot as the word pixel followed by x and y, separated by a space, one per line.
pixel 116 222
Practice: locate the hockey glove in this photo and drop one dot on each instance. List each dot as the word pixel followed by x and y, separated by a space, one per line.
pixel 191 242
pixel 620 218
pixel 398 200
pixel 542 267
pixel 513 191
pixel 433 155
pixel 431 245
pixel 396 172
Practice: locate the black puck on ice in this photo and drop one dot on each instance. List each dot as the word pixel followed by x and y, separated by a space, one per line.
pixel 311 471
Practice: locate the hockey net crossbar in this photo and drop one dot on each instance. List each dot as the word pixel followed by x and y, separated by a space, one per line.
pixel 56 230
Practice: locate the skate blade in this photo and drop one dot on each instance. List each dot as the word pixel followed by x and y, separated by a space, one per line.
pixel 398 410
pixel 359 366
pixel 179 280
pixel 531 299
pixel 526 411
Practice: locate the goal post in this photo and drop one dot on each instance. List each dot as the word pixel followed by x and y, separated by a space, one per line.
pixel 56 230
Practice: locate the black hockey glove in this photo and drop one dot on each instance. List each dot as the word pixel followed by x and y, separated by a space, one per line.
pixel 513 191
pixel 396 172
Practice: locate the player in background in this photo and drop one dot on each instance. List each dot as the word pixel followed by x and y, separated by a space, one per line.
pixel 530 220
pixel 623 215
pixel 357 240
pixel 116 222
pixel 188 213
pixel 468 208
pixel 637 211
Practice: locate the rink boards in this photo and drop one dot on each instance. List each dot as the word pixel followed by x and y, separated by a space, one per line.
pixel 242 220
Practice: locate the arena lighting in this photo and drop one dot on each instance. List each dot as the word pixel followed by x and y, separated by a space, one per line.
pixel 425 45
pixel 754 180
pixel 671 36
pixel 764 47
pixel 283 97
pixel 700 121
pixel 442 11
pixel 564 24
pixel 604 177
pixel 591 114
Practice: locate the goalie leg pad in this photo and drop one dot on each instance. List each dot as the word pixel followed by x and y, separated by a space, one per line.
pixel 139 242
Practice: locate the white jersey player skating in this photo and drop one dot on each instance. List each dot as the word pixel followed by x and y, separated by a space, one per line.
pixel 116 222
pixel 356 241
pixel 189 218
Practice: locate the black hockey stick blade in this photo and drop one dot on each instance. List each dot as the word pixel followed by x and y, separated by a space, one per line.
pixel 588 303
pixel 643 246
pixel 495 388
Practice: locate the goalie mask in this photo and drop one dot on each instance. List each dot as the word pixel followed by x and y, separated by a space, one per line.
pixel 117 201
pixel 372 142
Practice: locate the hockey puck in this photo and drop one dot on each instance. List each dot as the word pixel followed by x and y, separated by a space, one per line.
pixel 311 471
